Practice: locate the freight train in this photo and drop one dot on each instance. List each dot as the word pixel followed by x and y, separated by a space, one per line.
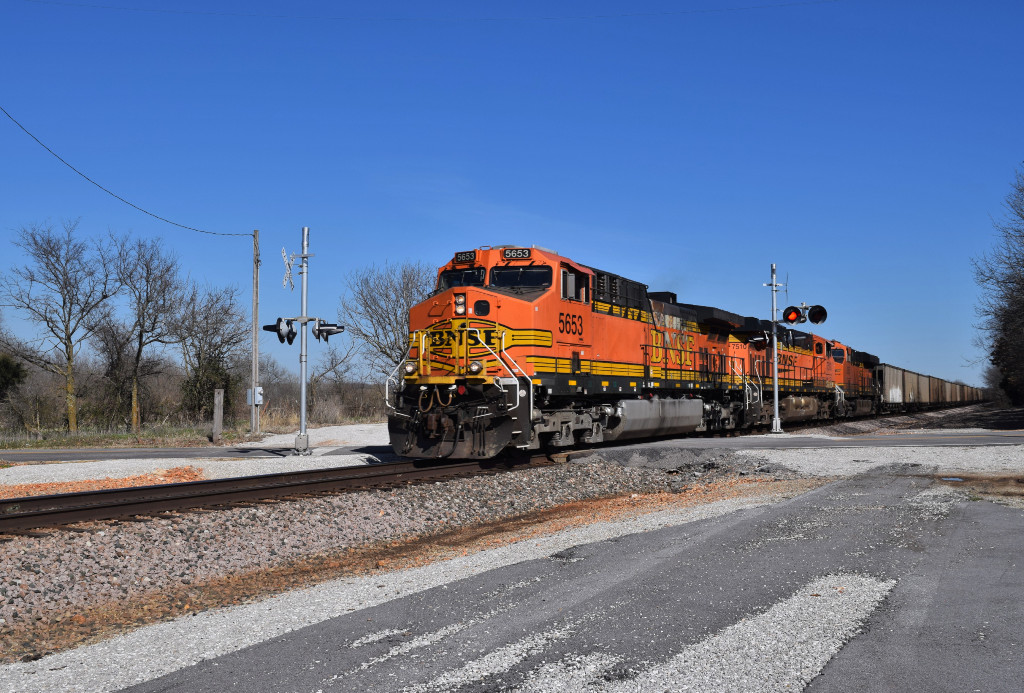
pixel 522 348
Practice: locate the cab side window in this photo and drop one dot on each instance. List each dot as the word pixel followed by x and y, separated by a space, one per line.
pixel 574 284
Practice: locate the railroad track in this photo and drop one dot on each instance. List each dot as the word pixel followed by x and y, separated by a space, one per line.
pixel 36 512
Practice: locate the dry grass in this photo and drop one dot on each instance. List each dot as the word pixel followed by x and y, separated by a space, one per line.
pixel 183 437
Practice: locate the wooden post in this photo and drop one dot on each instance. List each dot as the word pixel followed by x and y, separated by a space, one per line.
pixel 218 416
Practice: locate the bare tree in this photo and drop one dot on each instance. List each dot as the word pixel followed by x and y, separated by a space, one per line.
pixel 155 290
pixel 61 290
pixel 37 405
pixel 376 307
pixel 111 341
pixel 12 374
pixel 211 329
pixel 328 374
pixel 1000 274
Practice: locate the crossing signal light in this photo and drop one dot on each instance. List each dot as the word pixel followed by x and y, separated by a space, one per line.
pixel 817 314
pixel 325 329
pixel 792 315
pixel 285 330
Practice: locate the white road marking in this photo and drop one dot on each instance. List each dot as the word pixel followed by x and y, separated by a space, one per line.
pixel 571 673
pixel 779 650
pixel 416 643
pixel 376 637
pixel 495 662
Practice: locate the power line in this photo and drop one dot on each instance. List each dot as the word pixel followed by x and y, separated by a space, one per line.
pixel 539 18
pixel 110 192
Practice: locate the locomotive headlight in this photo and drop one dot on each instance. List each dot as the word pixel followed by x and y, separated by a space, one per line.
pixel 410 367
pixel 475 367
pixel 460 304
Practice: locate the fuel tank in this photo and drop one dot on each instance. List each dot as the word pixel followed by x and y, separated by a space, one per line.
pixel 639 418
pixel 798 408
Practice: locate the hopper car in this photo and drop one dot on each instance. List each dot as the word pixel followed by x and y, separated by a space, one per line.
pixel 522 348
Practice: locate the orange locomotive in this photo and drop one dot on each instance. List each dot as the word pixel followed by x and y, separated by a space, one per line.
pixel 523 348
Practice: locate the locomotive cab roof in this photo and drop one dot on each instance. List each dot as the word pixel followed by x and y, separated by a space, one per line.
pixel 716 316
pixel 519 271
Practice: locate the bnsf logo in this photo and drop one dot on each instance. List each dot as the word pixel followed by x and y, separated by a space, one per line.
pixel 679 347
pixel 447 338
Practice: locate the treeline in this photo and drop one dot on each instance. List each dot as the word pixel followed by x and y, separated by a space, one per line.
pixel 123 340
pixel 36 406
pixel 1000 274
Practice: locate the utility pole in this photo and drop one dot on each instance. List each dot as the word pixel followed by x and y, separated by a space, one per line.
pixel 255 395
pixel 776 423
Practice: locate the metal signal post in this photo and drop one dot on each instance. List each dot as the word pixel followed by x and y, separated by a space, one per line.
pixel 285 330
pixel 791 315
pixel 776 423
pixel 302 439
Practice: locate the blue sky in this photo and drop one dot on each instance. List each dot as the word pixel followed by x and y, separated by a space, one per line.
pixel 862 145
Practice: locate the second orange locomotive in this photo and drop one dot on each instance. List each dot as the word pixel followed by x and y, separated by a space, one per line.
pixel 523 348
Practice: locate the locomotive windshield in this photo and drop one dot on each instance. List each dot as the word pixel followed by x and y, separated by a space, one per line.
pixel 470 276
pixel 521 277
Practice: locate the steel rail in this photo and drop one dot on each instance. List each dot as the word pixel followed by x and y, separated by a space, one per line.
pixel 34 512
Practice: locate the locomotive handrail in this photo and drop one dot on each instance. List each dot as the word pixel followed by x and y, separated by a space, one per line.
pixel 399 384
pixel 509 356
pixel 840 395
pixel 387 390
pixel 526 377
pixel 421 350
pixel 748 385
pixel 499 360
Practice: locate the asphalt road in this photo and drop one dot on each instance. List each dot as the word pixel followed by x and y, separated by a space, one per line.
pixel 894 439
pixel 882 582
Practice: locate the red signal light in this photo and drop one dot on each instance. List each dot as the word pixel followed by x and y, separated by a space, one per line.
pixel 792 315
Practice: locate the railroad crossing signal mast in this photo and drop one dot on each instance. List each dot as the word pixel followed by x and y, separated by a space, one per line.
pixel 776 424
pixel 791 316
pixel 285 330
